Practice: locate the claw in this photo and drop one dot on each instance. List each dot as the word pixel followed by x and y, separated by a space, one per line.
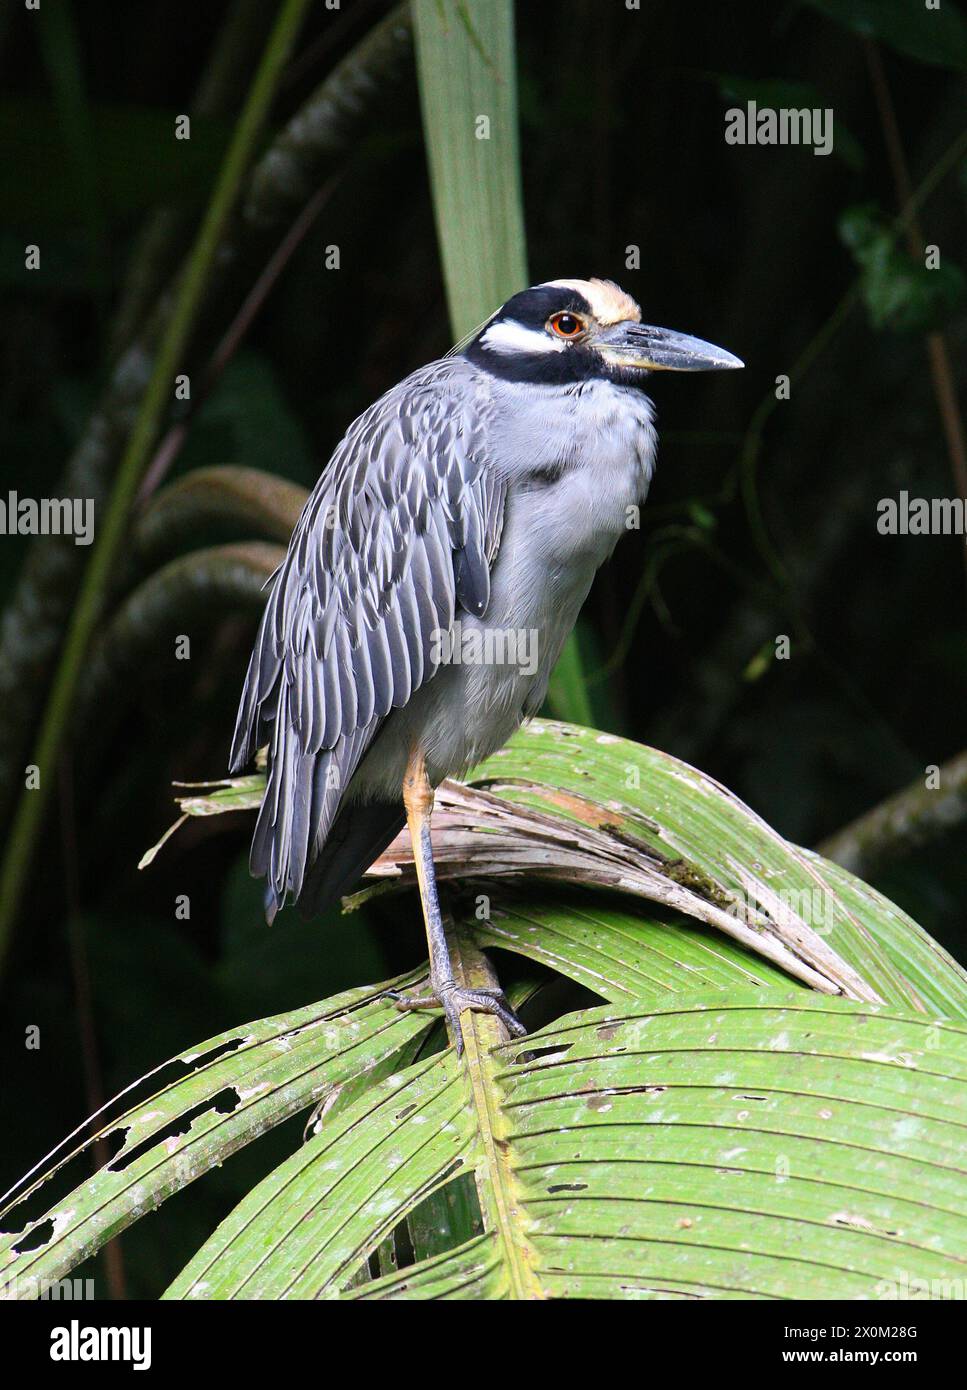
pixel 453 999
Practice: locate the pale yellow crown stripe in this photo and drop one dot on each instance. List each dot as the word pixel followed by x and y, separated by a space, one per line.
pixel 608 301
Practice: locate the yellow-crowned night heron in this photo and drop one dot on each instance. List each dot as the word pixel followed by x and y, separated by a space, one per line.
pixel 475 499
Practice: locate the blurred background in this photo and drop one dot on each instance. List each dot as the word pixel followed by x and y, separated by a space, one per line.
pixel 761 522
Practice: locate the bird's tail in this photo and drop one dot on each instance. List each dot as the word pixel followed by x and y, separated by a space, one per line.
pixel 359 834
pixel 303 793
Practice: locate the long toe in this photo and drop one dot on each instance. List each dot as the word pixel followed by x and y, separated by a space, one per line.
pixel 454 999
pixel 486 1001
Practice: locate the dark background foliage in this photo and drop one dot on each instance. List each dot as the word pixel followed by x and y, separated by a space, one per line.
pixel 622 121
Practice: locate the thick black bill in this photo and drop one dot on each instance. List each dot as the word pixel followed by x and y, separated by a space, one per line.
pixel 661 350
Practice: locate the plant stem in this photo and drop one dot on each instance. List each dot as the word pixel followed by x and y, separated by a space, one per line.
pixel 938 356
pixel 905 821
pixel 20 846
pixel 84 1004
pixel 231 340
pixel 286 174
pixel 164 237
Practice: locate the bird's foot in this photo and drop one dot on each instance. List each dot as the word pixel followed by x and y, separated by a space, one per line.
pixel 453 999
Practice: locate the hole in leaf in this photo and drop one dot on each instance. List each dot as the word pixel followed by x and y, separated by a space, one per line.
pixel 52 1191
pixel 36 1238
pixel 224 1103
pixel 448 1217
pixel 535 1054
pixel 176 1070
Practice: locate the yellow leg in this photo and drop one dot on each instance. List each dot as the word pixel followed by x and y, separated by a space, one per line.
pixel 445 992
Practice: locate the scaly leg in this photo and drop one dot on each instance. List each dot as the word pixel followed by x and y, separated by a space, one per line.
pixel 444 990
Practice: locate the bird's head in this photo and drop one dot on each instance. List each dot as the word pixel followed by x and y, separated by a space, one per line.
pixel 569 331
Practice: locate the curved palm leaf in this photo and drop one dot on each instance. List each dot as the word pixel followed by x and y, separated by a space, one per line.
pixel 670 808
pixel 242 1082
pixel 577 806
pixel 237 1085
pixel 867 1099
pixel 751 1145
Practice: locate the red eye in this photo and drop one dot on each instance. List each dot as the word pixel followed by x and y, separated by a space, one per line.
pixel 566 325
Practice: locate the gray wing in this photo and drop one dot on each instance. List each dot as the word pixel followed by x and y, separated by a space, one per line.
pixel 399 533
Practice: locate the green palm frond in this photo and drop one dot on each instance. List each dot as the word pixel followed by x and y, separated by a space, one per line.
pixel 694 1121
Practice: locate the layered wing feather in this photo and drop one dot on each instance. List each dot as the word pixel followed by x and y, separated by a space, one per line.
pixel 399 533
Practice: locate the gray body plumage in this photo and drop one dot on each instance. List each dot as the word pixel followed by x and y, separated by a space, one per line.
pixel 572 463
pixel 413 525
pixel 479 497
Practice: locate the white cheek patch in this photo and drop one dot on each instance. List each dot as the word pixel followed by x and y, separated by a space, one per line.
pixel 511 337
